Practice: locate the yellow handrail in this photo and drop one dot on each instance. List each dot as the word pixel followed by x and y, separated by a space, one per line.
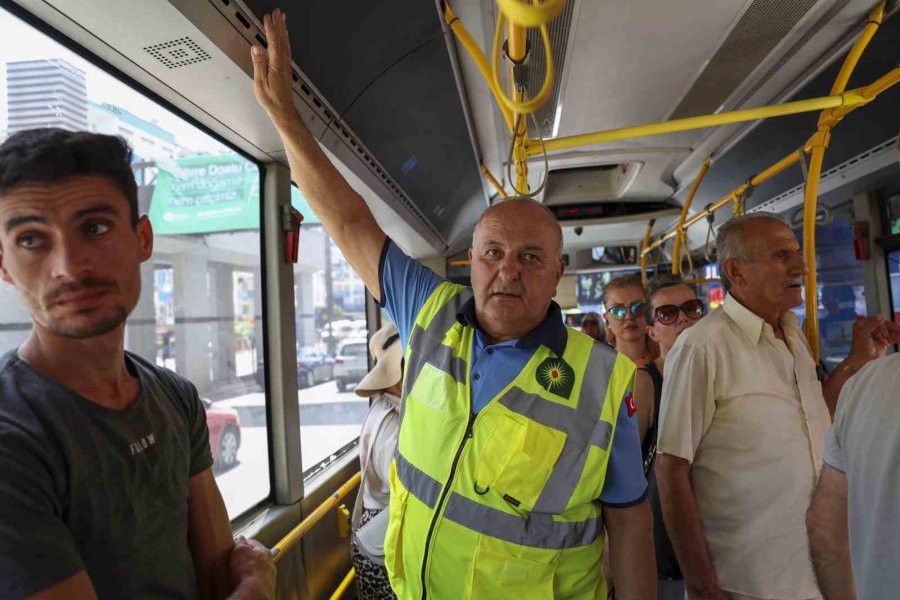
pixel 541 97
pixel 345 583
pixel 302 528
pixel 819 142
pixel 851 98
pixel 478 57
pixel 756 180
pixel 810 200
pixel 516 42
pixel 531 15
pixel 490 177
pixel 868 32
pixel 871 91
pixel 646 241
pixel 676 252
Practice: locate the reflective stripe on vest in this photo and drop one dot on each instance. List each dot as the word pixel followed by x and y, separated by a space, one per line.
pixel 418 483
pixel 425 345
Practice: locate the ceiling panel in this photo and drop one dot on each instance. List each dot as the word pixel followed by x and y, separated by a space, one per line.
pixel 384 67
pixel 633 61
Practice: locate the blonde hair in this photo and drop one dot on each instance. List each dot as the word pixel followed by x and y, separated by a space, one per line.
pixel 628 282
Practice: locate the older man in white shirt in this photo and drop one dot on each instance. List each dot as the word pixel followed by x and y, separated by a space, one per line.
pixel 743 423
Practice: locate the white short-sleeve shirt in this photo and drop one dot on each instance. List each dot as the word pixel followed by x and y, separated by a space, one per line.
pixel 864 444
pixel 747 410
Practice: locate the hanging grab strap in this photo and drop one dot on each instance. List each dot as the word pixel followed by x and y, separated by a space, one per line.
pixel 707 248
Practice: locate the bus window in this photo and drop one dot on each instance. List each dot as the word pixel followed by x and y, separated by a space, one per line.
pixel 589 288
pixel 893 210
pixel 894 271
pixel 840 285
pixel 332 351
pixel 200 312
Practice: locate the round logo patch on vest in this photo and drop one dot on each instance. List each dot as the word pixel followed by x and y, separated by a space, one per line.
pixel 556 376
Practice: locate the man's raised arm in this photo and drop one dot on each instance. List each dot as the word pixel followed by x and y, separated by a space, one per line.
pixel 341 210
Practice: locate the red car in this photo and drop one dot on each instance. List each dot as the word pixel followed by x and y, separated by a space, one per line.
pixel 224 434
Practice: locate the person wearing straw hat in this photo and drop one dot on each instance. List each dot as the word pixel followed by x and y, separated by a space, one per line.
pixel 377 444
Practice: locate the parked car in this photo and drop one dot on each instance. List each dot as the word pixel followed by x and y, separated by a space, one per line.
pixel 313 367
pixel 352 363
pixel 224 434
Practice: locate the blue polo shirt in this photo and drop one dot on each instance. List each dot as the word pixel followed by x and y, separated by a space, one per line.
pixel 405 286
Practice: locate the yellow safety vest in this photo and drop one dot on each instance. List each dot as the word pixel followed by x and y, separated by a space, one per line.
pixel 503 504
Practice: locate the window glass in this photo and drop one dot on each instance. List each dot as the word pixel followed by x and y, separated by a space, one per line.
pixel 712 292
pixel 589 288
pixel 840 288
pixel 332 351
pixel 893 260
pixel 893 205
pixel 200 312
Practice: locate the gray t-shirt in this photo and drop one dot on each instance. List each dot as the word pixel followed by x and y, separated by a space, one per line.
pixel 865 444
pixel 83 487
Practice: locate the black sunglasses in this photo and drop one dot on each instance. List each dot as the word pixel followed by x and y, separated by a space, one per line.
pixel 620 311
pixel 668 313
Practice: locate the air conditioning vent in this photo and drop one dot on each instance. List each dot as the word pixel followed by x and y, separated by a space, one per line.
pixel 558 29
pixel 760 29
pixel 178 53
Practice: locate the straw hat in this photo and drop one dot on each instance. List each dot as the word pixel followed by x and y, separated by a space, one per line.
pixel 386 349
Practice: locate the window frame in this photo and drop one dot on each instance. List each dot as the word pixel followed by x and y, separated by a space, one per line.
pixel 32 20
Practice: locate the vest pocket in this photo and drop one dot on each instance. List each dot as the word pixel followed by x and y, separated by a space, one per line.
pixel 497 574
pixel 433 388
pixel 517 459
pixel 393 537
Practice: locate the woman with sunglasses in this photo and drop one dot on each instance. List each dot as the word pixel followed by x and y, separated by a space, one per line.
pixel 673 307
pixel 625 302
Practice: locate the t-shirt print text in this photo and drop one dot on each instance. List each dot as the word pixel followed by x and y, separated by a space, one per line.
pixel 142 444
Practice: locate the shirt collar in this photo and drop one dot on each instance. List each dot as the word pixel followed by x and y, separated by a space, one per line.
pixel 551 332
pixel 752 324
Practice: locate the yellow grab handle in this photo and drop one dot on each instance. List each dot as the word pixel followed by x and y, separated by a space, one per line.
pixel 531 15
pixel 546 89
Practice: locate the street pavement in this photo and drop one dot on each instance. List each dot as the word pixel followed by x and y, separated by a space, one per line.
pixel 329 420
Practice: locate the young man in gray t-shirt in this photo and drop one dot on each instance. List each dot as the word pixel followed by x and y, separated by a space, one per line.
pixel 853 517
pixel 106 489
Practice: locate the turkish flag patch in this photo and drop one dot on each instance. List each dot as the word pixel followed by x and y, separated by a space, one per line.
pixel 629 402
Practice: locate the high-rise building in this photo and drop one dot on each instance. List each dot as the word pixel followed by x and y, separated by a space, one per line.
pixel 45 93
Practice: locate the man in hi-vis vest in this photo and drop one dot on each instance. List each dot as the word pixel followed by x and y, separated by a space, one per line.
pixel 518 446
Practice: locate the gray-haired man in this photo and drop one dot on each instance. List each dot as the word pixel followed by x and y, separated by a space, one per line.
pixel 592 324
pixel 743 423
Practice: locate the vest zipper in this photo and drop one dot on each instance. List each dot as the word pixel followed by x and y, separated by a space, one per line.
pixel 439 506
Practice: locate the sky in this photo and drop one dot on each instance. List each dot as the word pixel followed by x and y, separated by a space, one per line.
pixel 23 42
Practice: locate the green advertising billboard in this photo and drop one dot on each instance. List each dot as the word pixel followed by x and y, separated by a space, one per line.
pixel 204 194
pixel 208 194
pixel 299 202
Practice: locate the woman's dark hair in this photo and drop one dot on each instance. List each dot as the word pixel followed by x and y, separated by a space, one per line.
pixel 51 155
pixel 661 282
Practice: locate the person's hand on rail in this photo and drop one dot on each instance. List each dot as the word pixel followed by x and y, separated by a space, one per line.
pixel 871 338
pixel 252 571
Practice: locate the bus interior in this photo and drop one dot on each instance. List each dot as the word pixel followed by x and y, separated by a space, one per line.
pixel 402 97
